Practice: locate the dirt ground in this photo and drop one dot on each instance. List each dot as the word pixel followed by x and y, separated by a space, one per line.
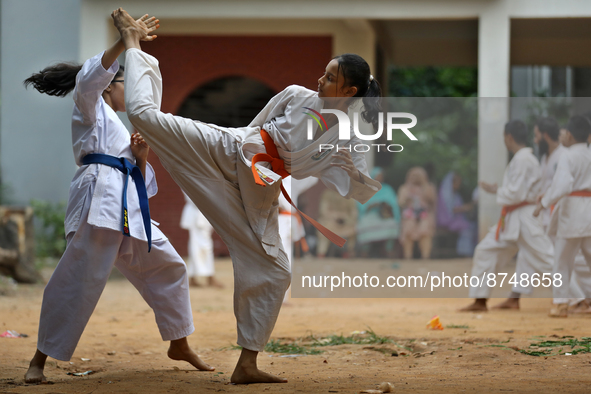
pixel 124 349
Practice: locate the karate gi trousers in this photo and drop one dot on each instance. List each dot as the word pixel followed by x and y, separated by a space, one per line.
pixel 81 275
pixel 565 264
pixel 535 254
pixel 204 160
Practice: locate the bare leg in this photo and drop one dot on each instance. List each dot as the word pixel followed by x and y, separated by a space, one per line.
pixel 425 245
pixel 247 371
pixel 179 350
pixel 407 248
pixel 479 305
pixel 35 372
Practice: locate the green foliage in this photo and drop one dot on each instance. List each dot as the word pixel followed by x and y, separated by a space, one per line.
pixel 50 237
pixel 447 136
pixel 447 131
pixel 433 81
pixel 545 348
pixel 309 344
pixel 275 346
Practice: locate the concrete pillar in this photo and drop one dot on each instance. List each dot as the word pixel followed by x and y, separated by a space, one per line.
pixel 493 107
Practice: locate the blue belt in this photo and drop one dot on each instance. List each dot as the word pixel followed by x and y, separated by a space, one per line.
pixel 123 165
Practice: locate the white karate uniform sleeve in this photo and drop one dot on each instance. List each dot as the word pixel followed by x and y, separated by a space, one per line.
pixel 562 183
pixel 519 182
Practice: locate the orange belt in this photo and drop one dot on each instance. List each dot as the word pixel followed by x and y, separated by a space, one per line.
pixel 272 156
pixel 296 215
pixel 577 193
pixel 581 193
pixel 507 209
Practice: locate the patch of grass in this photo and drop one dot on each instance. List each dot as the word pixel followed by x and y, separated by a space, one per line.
pixel 457 326
pixel 275 346
pixel 309 344
pixel 545 348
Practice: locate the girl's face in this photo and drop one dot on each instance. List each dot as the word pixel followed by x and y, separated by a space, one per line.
pixel 116 94
pixel 332 83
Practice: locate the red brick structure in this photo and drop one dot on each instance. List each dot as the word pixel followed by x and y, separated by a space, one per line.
pixel 187 62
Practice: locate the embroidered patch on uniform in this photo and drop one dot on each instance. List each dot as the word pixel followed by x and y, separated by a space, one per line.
pixel 125 222
pixel 264 177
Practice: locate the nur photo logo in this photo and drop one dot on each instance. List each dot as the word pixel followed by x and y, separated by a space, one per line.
pixel 345 129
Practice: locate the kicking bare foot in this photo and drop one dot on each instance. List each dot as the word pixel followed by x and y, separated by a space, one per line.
pixel 35 372
pixel 479 305
pixel 247 371
pixel 133 31
pixel 179 350
pixel 509 303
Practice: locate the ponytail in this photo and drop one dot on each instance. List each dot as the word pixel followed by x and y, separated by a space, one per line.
pixel 57 80
pixel 356 72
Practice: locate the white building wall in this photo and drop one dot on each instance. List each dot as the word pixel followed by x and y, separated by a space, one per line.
pixel 35 140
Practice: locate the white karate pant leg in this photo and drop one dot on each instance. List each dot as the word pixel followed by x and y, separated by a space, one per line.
pixel 536 254
pixel 201 259
pixel 203 161
pixel 564 264
pixel 489 257
pixel 580 280
pixel 260 280
pixel 74 289
pixel 285 232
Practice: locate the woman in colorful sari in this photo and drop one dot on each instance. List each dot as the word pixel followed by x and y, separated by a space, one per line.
pixel 451 214
pixel 378 224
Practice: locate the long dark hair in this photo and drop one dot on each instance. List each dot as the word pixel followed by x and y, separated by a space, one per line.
pixel 58 79
pixel 357 73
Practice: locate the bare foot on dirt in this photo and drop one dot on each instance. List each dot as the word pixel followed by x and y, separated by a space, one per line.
pixel 509 303
pixel 213 282
pixel 479 305
pixel 247 371
pixel 193 282
pixel 249 375
pixel 35 375
pixel 581 307
pixel 35 372
pixel 180 350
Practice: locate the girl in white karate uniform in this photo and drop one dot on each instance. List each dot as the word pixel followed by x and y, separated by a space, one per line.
pixel 95 241
pixel 212 165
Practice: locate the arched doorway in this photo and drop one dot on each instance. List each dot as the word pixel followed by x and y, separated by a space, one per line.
pixel 231 101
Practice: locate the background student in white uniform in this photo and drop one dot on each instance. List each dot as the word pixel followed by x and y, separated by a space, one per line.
pixel 570 223
pixel 201 260
pixel 518 230
pixel 213 166
pixel 95 241
pixel 547 138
